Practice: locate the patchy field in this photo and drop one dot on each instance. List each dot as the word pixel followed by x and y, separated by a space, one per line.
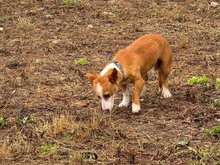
pixel 48 112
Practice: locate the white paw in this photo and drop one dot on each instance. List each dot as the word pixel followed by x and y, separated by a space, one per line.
pixel 166 93
pixel 135 108
pixel 124 104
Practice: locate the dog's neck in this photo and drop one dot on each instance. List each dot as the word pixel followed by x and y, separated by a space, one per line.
pixel 112 65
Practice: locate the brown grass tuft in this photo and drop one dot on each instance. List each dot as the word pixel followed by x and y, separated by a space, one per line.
pixel 24 24
pixel 11 147
pixel 183 42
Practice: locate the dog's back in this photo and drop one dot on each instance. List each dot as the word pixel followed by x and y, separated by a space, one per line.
pixel 146 52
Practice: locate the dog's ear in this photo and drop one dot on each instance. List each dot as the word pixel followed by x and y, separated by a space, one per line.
pixel 113 76
pixel 91 76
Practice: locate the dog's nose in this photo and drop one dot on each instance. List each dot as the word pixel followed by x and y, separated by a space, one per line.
pixel 105 111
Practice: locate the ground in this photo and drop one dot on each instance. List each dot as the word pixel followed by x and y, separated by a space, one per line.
pixel 48 111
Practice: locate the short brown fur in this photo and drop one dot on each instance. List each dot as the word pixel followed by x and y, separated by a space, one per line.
pixel 136 60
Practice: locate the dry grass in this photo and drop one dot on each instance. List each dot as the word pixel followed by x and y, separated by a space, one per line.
pixel 24 24
pixel 48 109
pixel 15 146
pixel 205 155
pixel 183 42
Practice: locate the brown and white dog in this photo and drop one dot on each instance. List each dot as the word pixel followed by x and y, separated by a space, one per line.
pixel 131 65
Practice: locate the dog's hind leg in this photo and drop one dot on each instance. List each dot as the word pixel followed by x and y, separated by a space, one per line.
pixel 163 73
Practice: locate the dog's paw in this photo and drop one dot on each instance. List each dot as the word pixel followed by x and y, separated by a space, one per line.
pixel 135 108
pixel 124 104
pixel 166 93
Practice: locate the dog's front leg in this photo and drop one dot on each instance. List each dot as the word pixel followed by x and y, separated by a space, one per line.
pixel 126 98
pixel 138 87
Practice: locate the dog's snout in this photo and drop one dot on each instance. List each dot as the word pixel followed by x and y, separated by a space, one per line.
pixel 107 104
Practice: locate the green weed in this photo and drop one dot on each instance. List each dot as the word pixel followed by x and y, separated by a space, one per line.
pixel 24 120
pixel 33 119
pixel 216 103
pixel 81 61
pixel 215 130
pixel 218 34
pixel 217 83
pixel 28 119
pixel 46 148
pixel 2 121
pixel 69 2
pixel 199 79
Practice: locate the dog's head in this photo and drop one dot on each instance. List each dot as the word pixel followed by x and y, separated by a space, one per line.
pixel 105 87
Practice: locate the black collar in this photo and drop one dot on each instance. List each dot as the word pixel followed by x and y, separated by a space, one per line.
pixel 117 64
pixel 119 67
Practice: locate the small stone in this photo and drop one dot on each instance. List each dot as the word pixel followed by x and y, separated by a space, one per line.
pixel 1 29
pixel 56 41
pixel 108 13
pixel 38 61
pixel 112 2
pixel 198 20
pixel 49 16
pixel 90 26
pixel 214 4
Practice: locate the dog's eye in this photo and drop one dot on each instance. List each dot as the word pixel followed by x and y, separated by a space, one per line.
pixel 106 96
pixel 99 97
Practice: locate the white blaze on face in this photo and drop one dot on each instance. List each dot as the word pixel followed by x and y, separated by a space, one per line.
pixel 107 104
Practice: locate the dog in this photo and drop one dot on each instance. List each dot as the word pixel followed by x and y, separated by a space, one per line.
pixel 131 65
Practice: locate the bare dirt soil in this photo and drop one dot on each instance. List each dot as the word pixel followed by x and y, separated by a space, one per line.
pixel 48 111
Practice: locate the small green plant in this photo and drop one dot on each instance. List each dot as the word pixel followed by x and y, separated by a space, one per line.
pixel 33 119
pixel 2 121
pixel 69 2
pixel 46 148
pixel 218 83
pixel 218 32
pixel 24 120
pixel 199 79
pixel 81 61
pixel 27 119
pixel 215 130
pixel 216 103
